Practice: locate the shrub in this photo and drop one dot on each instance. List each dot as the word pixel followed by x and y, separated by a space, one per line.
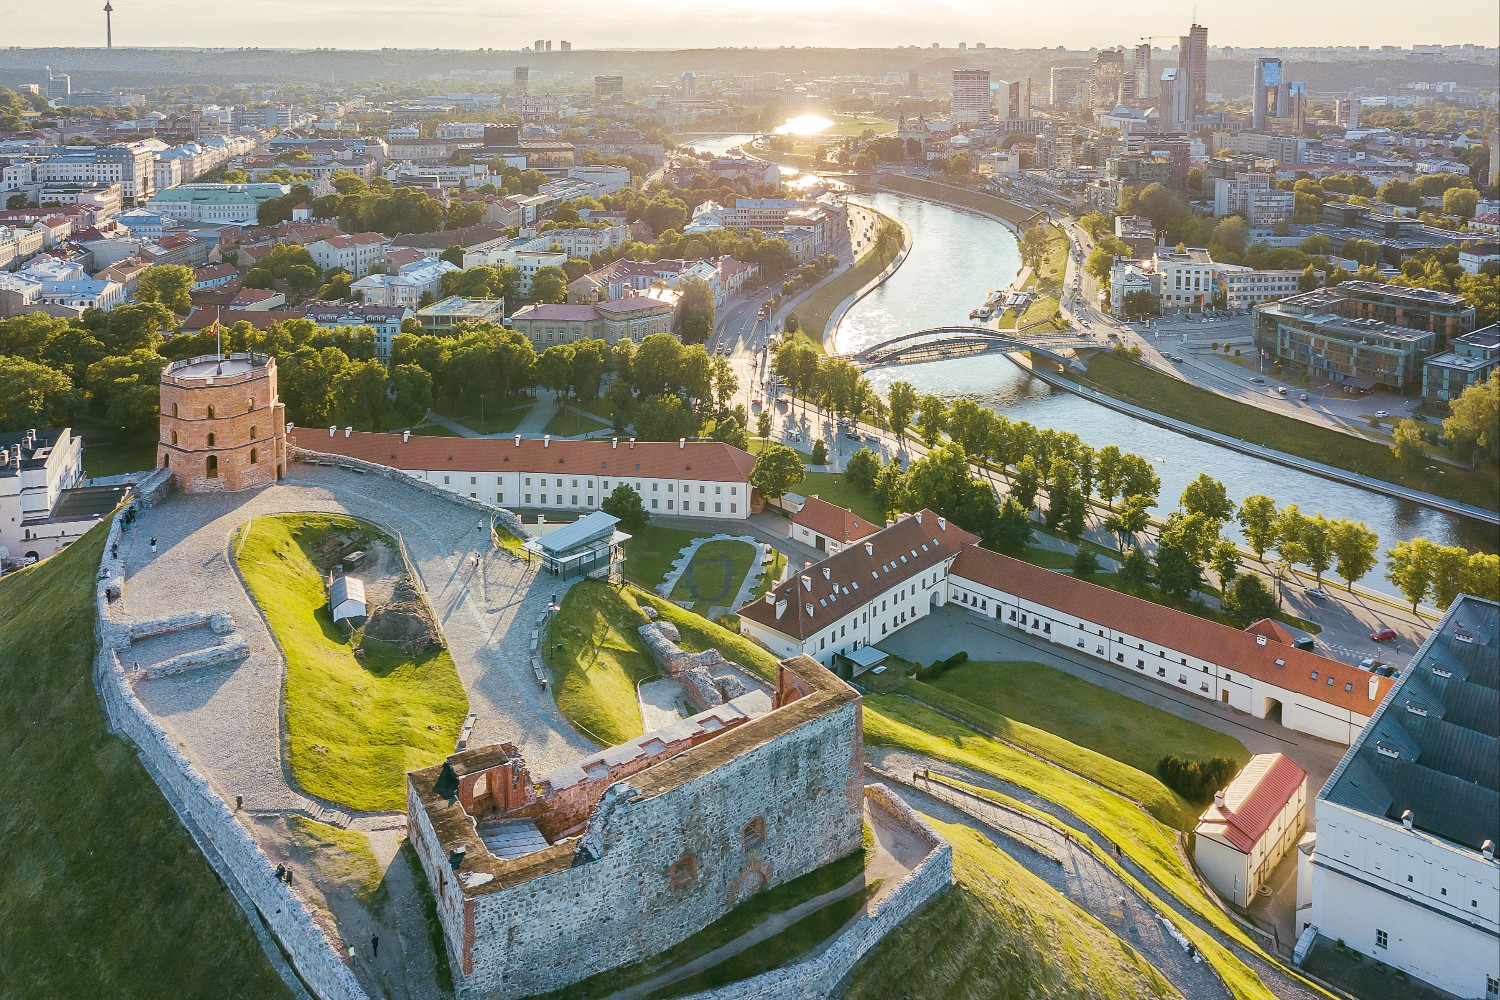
pixel 1195 780
pixel 1085 563
pixel 819 452
pixel 940 667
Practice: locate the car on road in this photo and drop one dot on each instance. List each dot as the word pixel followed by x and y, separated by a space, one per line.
pixel 1258 380
pixel 1316 593
pixel 1382 413
pixel 851 436
pixel 1384 634
pixel 1302 396
pixel 1305 643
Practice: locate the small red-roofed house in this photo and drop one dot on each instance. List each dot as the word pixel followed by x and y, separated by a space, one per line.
pixel 828 527
pixel 1252 824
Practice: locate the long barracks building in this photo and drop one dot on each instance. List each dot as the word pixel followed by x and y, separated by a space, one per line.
pixel 674 478
pixel 896 576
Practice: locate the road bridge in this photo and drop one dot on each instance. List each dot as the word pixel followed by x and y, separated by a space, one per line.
pixel 944 342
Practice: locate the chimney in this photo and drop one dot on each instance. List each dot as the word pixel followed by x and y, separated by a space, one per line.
pixel 1406 819
pixel 918 516
pixel 632 444
pixel 869 548
pixel 770 598
pixel 1374 686
pixel 1218 800
pixel 942 524
pixel 405 436
pixel 682 442
pixel 333 430
pixel 518 440
pixel 1488 850
pixel 889 522
pixel 289 427
pixel 546 440
pixel 348 431
pixel 614 443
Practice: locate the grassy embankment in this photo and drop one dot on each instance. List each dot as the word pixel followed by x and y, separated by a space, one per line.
pixel 978 201
pixel 596 655
pixel 1174 398
pixel 1002 932
pixel 651 551
pixel 101 886
pixel 1046 286
pixel 354 726
pixel 814 312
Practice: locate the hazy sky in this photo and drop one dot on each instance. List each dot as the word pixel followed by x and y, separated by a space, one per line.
pixel 498 24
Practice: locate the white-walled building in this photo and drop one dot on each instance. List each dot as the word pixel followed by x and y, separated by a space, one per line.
pixel 226 204
pixel 899 574
pixel 675 479
pixel 405 288
pixel 1254 822
pixel 355 254
pixel 36 467
pixel 1404 867
pixel 828 527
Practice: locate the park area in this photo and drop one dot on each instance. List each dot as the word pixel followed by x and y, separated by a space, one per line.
pixel 362 707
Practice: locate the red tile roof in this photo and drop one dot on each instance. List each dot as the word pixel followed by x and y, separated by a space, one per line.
pixel 850 579
pixel 1272 631
pixel 1318 677
pixel 1253 800
pixel 833 521
pixel 710 461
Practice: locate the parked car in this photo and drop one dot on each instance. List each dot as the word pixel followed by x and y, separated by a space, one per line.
pixel 1305 643
pixel 1384 634
pixel 1316 593
pixel 1369 663
pixel 1382 413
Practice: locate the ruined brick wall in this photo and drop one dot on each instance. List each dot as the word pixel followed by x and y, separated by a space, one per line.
pixel 222 435
pixel 804 785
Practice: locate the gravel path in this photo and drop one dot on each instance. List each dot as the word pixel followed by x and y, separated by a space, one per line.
pixel 229 720
pixel 904 763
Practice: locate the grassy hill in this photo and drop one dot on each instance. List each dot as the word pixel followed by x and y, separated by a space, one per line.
pixel 102 893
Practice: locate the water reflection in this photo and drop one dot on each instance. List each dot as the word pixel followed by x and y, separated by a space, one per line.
pixel 804 125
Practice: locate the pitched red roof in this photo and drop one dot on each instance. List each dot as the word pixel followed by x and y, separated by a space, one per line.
pixel 1252 801
pixel 1329 681
pixel 1271 630
pixel 820 595
pixel 833 521
pixel 699 460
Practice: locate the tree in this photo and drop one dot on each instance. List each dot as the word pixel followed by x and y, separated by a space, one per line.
pixel 695 310
pixel 1248 599
pixel 170 285
pixel 1085 563
pixel 1033 246
pixel 1131 519
pixel 819 452
pixel 1177 575
pixel 1257 519
pixel 890 487
pixel 1207 496
pixel 1013 529
pixel 1406 444
pixel 731 432
pixel 776 471
pixel 932 419
pixel 1460 202
pixel 1482 578
pixel 1289 535
pixel 1411 568
pixel 901 403
pixel 1135 568
pixel 554 368
pixel 763 425
pixel 1026 483
pixel 664 417
pixel 1354 546
pixel 1226 562
pixel 453 255
pixel 626 504
pixel 1107 474
pixel 31 395
pixel 1063 493
pixel 862 468
pixel 1317 546
pixel 549 284
pixel 941 481
pixel 1450 570
pixel 1476 417
pixel 412 386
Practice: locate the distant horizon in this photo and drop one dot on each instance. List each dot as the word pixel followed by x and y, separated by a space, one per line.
pixel 1077 25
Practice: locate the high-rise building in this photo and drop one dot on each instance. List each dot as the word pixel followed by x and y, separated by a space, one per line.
pixel 549 45
pixel 540 45
pixel 1143 70
pixel 565 46
pixel 1346 112
pixel 608 88
pixel 1192 69
pixel 1064 82
pixel 1266 95
pixel 969 99
pixel 1015 98
pixel 689 86
pixel 523 77
pixel 913 83
pixel 1107 80
pixel 59 85
pixel 1172 99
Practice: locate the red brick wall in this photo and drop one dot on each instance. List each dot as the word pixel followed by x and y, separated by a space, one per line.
pixel 248 422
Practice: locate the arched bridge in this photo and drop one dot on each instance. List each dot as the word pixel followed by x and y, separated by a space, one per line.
pixel 944 342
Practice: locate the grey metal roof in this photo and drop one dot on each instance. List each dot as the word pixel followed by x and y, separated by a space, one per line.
pixel 346 588
pixel 591 528
pixel 1433 746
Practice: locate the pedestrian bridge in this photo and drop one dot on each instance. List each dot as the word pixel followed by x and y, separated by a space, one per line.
pixel 944 342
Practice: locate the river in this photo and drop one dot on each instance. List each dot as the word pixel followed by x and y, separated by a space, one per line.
pixel 957 257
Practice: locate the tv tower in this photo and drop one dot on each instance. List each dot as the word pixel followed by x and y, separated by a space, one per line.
pixel 109 28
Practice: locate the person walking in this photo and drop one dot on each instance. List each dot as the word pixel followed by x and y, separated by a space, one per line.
pixel 374 946
pixel 153 543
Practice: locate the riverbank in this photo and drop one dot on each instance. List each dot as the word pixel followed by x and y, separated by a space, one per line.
pixel 1110 383
pixel 892 265
pixel 1013 215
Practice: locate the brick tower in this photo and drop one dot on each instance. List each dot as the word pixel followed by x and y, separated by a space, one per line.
pixel 223 428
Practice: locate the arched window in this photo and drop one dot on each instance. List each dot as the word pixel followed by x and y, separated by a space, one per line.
pixel 174 437
pixel 166 460
pixel 250 403
pixel 684 871
pixel 254 433
pixel 254 456
pixel 210 412
pixel 210 440
pixel 174 409
pixel 754 833
pixel 213 467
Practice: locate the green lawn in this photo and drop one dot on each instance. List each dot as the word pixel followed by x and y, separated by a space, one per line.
pixel 501 421
pixel 101 886
pixel 1172 397
pixel 344 856
pixel 593 648
pixel 699 634
pixel 1001 932
pixel 1097 732
pixel 568 423
pixel 836 489
pixel 814 311
pixel 354 727
pixel 651 551
pixel 899 722
pixel 715 574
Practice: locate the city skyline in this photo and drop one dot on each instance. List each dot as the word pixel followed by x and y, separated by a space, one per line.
pixel 1082 24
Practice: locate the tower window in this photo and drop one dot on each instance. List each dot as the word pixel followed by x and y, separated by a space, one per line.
pixel 210 440
pixel 254 456
pixel 210 412
pixel 213 467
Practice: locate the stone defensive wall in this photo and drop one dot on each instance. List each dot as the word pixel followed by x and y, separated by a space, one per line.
pixel 278 915
pixel 505 518
pixel 820 975
pixel 665 852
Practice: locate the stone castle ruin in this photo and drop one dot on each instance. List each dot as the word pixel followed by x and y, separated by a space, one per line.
pixel 223 425
pixel 708 680
pixel 541 884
